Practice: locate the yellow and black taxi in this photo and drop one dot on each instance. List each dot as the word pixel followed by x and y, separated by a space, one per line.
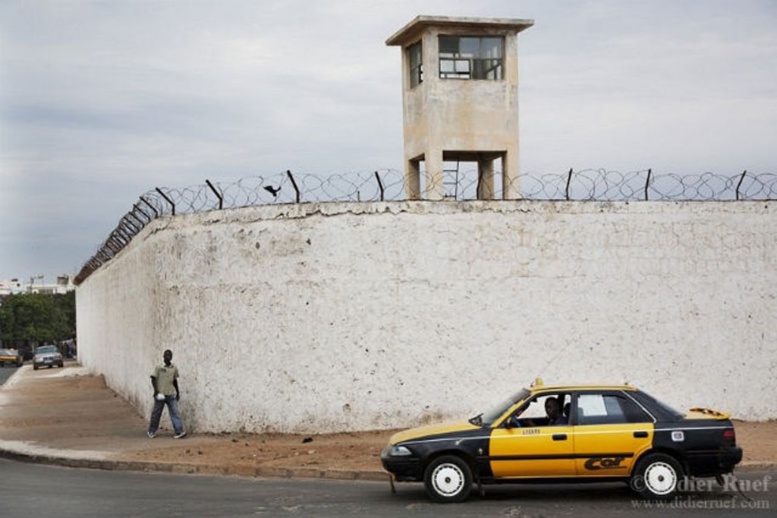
pixel 567 434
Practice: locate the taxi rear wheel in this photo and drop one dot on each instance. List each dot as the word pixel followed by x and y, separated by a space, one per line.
pixel 448 479
pixel 657 476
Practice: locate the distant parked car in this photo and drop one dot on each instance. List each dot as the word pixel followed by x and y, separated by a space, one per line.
pixel 11 356
pixel 47 356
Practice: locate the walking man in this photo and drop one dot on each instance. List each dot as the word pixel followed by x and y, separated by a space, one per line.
pixel 165 383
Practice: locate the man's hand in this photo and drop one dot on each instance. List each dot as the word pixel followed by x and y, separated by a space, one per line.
pixel 177 396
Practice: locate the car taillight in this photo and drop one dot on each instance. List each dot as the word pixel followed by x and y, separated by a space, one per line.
pixel 729 437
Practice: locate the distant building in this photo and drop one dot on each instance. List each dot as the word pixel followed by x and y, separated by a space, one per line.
pixel 12 287
pixel 37 284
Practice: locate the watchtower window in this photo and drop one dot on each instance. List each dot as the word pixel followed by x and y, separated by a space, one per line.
pixel 470 57
pixel 415 62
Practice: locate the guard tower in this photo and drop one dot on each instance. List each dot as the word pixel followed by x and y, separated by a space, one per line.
pixel 460 100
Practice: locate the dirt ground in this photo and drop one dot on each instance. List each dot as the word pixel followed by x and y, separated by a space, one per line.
pixel 758 441
pixel 67 410
pixel 361 451
pixel 343 451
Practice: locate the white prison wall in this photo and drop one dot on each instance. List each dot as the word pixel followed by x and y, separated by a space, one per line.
pixel 352 316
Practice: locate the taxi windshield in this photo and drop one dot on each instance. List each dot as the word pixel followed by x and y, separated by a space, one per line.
pixel 488 418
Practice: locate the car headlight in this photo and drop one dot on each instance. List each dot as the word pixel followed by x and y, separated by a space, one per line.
pixel 400 451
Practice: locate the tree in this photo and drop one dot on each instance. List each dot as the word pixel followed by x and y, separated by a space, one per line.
pixel 36 318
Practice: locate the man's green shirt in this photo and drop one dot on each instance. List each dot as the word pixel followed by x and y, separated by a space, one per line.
pixel 164 378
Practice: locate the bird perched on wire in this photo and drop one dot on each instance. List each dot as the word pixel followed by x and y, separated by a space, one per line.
pixel 272 190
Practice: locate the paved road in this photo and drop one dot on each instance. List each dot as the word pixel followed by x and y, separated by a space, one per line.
pixel 5 373
pixel 36 490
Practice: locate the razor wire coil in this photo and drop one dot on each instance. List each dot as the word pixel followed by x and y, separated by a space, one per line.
pixel 388 185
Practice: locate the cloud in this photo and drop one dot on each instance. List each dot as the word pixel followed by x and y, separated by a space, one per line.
pixel 639 86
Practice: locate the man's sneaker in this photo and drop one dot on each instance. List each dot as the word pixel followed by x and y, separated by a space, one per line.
pixel 179 435
pixel 151 435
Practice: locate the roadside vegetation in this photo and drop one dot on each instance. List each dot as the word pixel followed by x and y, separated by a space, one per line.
pixel 31 319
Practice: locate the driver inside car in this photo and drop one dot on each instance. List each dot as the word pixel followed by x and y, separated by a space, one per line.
pixel 553 409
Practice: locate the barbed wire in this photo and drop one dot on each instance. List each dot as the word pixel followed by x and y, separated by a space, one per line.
pixel 388 185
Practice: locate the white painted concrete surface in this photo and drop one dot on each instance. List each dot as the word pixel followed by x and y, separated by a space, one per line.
pixel 352 316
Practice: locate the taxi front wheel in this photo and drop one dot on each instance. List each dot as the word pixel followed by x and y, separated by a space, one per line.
pixel 657 476
pixel 448 479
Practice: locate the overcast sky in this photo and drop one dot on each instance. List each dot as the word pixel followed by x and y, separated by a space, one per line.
pixel 101 101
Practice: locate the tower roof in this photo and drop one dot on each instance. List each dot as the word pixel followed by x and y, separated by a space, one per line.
pixel 410 32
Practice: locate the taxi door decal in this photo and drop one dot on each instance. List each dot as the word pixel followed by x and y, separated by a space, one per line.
pixel 612 431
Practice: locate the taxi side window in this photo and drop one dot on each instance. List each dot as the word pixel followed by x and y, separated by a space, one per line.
pixel 608 409
pixel 633 412
pixel 535 412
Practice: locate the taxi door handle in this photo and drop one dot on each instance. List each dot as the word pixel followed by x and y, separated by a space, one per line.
pixel 559 437
pixel 640 435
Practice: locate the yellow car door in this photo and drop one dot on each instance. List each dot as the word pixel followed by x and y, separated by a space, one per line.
pixel 543 451
pixel 612 431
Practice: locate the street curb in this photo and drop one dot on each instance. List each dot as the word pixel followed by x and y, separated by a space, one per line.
pixel 191 469
pixel 240 471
